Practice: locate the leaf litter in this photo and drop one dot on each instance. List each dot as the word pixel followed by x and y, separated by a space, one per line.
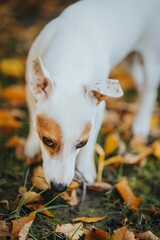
pixel 114 200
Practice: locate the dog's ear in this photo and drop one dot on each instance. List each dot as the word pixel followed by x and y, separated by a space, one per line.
pixel 102 89
pixel 41 83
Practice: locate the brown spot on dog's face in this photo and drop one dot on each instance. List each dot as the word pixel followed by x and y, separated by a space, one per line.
pixel 50 134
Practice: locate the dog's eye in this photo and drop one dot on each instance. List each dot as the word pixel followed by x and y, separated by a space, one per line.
pixel 81 144
pixel 48 142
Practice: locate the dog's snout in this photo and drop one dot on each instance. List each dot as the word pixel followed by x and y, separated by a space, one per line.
pixel 58 187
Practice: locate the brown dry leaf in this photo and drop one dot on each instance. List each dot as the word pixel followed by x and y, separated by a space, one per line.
pixel 148 235
pixel 126 193
pixel 38 207
pixel 156 149
pixel 12 67
pixel 123 233
pixel 111 143
pixel 30 197
pixel 14 141
pixel 71 197
pixel 88 219
pixel 4 229
pixel 14 94
pixel 38 178
pixel 96 234
pixel 8 121
pixel 100 186
pixel 73 231
pixel 24 230
pixel 19 223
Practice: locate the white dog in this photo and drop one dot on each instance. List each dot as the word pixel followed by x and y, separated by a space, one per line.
pixel 67 71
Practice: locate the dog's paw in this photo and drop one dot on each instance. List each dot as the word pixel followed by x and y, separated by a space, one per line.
pixel 31 148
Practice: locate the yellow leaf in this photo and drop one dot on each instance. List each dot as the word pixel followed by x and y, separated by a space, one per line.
pixel 111 143
pixel 73 184
pixel 19 223
pixel 88 219
pixel 30 197
pixel 73 231
pixel 156 149
pixel 126 193
pixel 38 178
pixel 12 67
pixel 123 234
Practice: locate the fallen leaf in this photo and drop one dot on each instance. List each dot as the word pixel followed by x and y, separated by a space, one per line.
pixel 4 229
pixel 96 234
pixel 88 219
pixel 14 94
pixel 8 121
pixel 12 67
pixel 148 235
pixel 73 231
pixel 24 230
pixel 111 143
pixel 100 186
pixel 71 197
pixel 17 143
pixel 123 233
pixel 73 184
pixel 126 193
pixel 19 223
pixel 30 197
pixel 40 208
pixel 156 149
pixel 38 178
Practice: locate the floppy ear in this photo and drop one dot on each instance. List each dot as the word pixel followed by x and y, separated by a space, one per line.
pixel 102 89
pixel 41 84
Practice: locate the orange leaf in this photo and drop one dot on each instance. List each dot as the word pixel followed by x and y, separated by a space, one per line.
pixel 38 178
pixel 73 184
pixel 111 143
pixel 8 120
pixel 88 219
pixel 19 223
pixel 38 207
pixel 97 234
pixel 123 234
pixel 30 197
pixel 126 193
pixel 15 94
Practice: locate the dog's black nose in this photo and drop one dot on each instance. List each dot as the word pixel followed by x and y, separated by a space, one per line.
pixel 58 187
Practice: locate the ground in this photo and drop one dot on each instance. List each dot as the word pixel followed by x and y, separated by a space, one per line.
pixel 127 196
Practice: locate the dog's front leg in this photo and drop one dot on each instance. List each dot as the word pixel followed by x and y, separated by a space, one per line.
pixel 85 161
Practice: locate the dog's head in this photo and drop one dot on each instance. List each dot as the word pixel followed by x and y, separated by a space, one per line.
pixel 64 119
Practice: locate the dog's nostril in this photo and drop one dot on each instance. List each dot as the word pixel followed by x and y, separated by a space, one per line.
pixel 58 187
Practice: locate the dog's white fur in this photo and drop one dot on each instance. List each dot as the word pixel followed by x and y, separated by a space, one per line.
pixel 76 52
